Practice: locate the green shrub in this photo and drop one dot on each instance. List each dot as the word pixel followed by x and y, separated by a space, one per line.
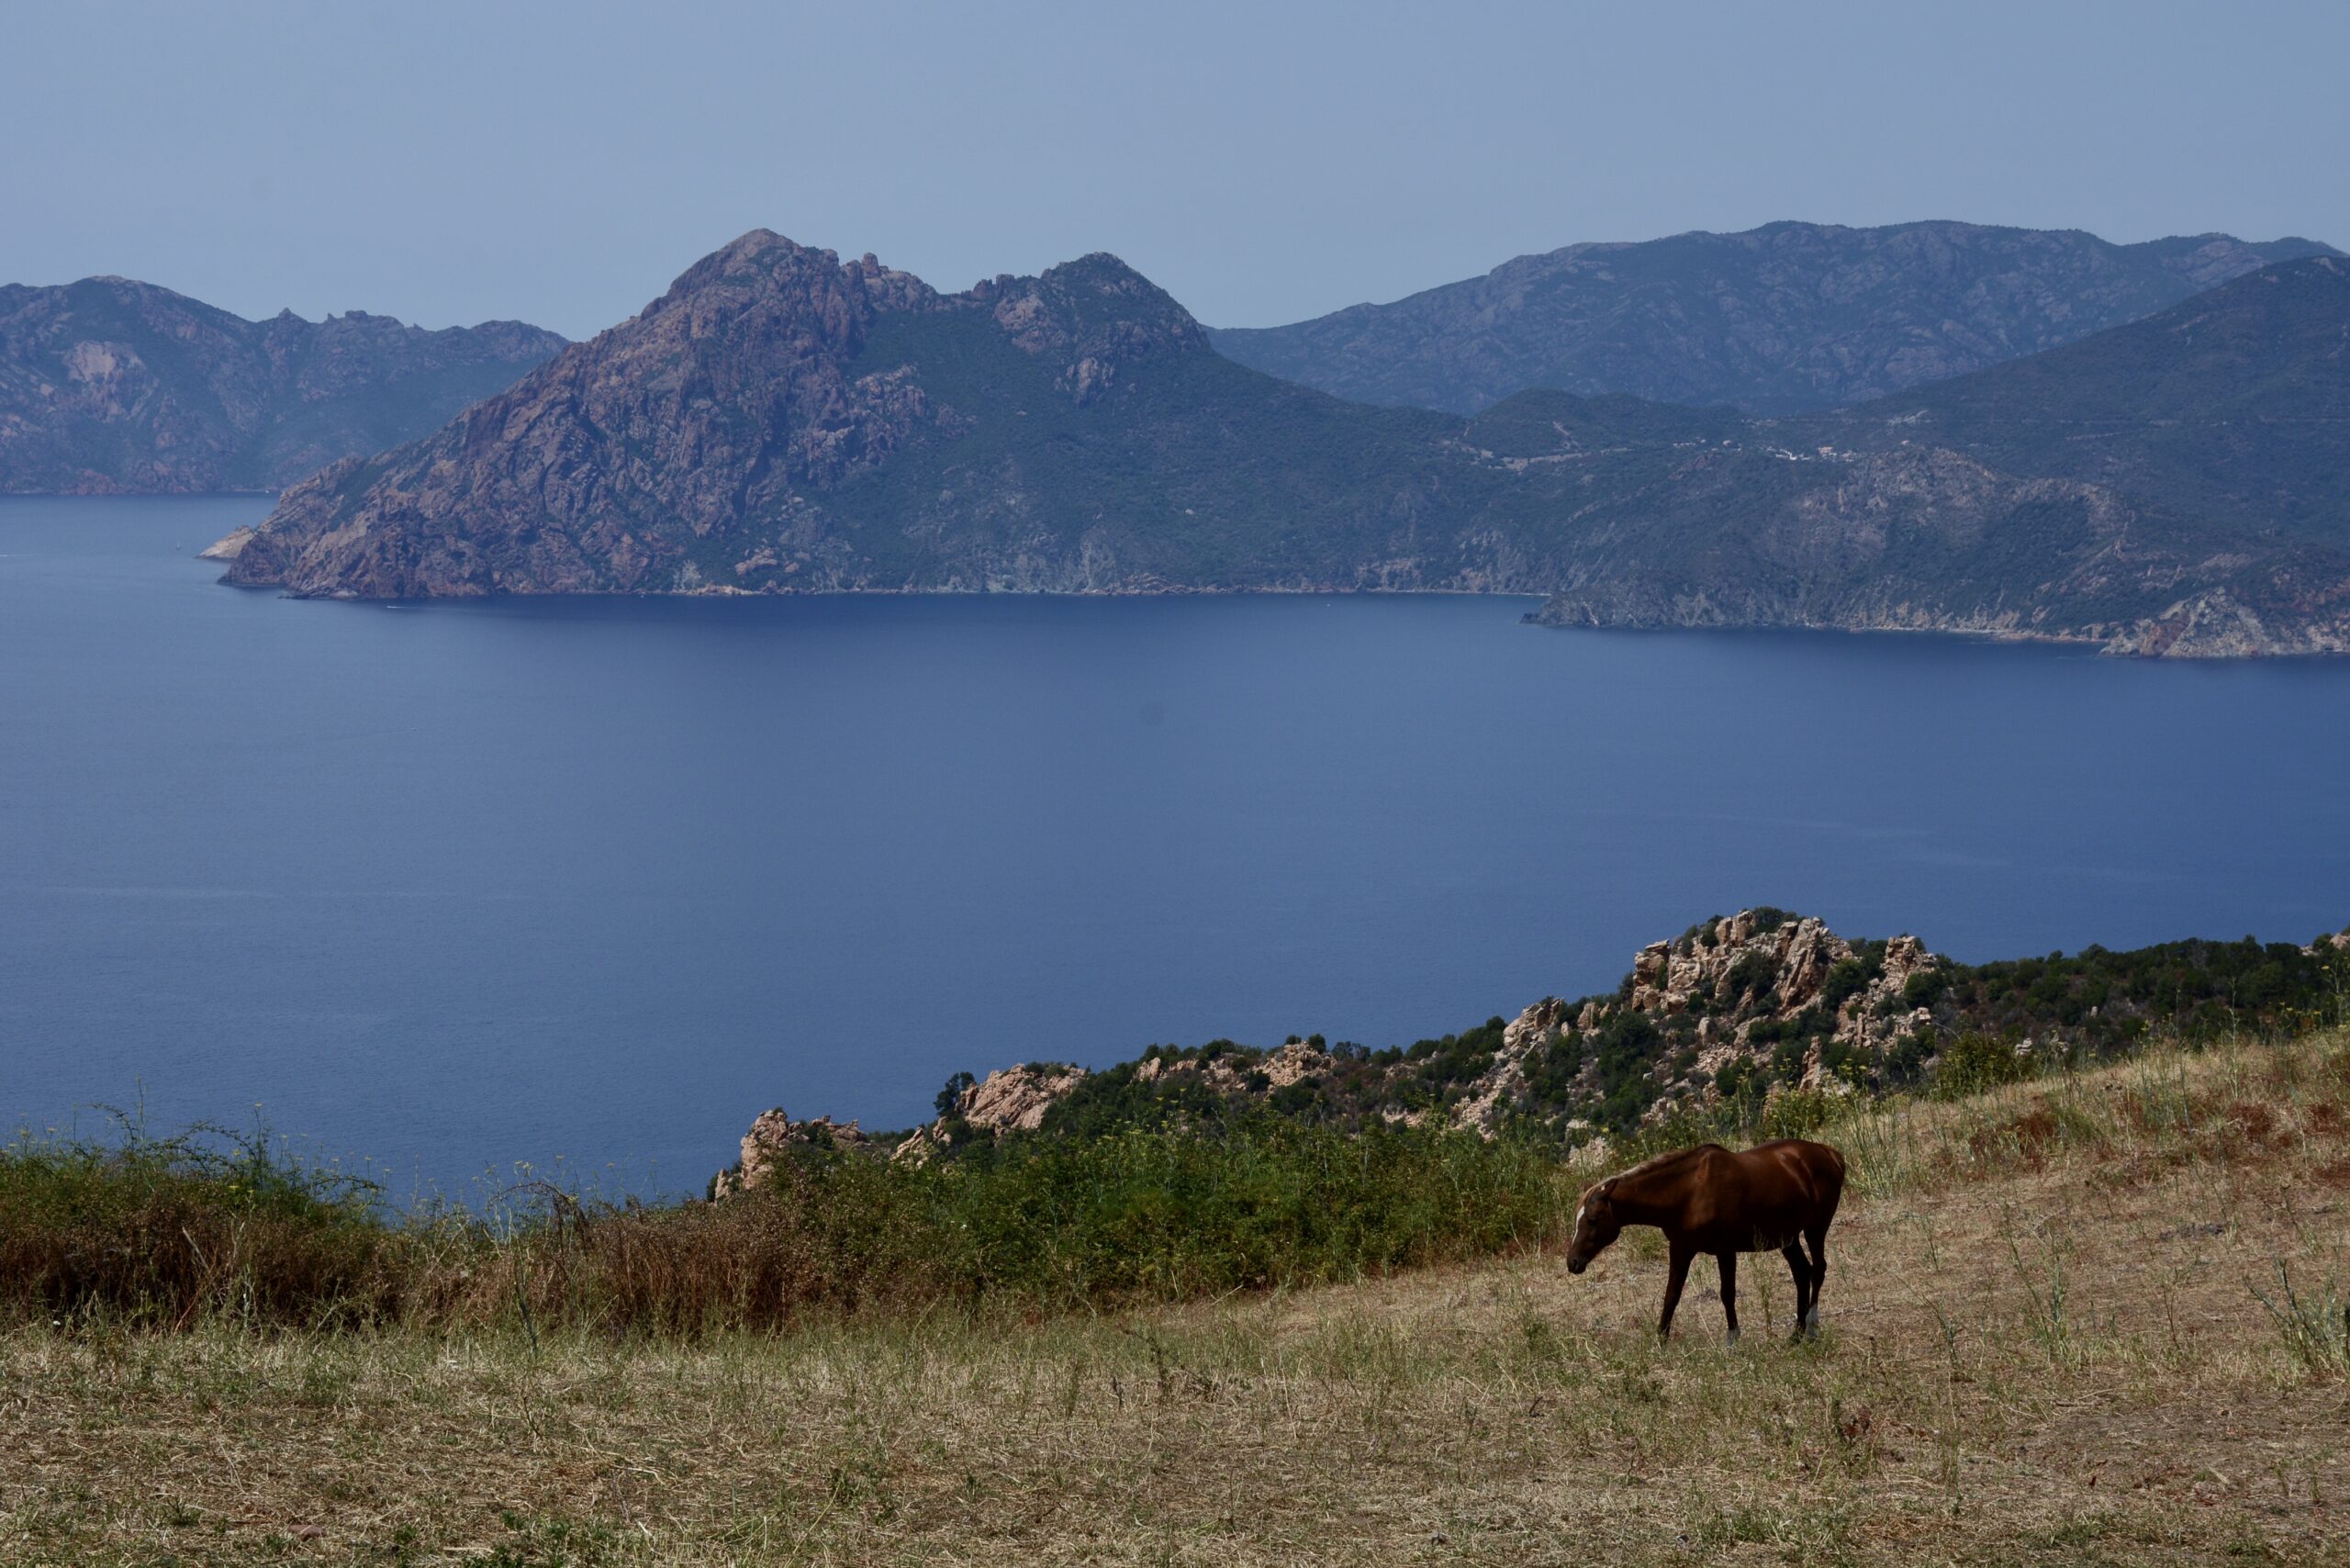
pixel 162 1230
pixel 1160 1215
pixel 1800 1113
pixel 1905 1060
pixel 1973 1062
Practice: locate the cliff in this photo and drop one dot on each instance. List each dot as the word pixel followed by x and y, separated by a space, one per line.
pixel 110 386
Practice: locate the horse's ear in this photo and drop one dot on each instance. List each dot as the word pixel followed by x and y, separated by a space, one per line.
pixel 1606 1189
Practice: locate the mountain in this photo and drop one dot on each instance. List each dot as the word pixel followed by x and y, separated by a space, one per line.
pixel 109 385
pixel 780 421
pixel 2176 485
pixel 1786 319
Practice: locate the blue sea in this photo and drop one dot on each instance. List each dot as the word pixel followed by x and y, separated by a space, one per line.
pixel 435 890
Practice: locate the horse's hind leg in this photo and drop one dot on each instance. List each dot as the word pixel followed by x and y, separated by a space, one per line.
pixel 1818 1239
pixel 1797 1265
pixel 1726 1263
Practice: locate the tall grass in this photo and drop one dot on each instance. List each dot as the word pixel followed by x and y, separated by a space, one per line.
pixel 2313 1323
pixel 159 1230
pixel 164 1232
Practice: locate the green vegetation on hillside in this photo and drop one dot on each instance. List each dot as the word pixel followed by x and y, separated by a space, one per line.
pixel 1188 471
pixel 2232 407
pixel 1629 1072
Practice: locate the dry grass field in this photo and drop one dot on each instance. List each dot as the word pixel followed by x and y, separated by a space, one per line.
pixel 2097 1319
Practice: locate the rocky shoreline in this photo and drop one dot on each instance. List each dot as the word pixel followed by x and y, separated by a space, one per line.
pixel 2206 626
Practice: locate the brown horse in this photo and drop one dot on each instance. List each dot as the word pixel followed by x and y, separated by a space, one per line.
pixel 1707 1199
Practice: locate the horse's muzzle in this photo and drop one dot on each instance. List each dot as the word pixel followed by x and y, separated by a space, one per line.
pixel 1576 1265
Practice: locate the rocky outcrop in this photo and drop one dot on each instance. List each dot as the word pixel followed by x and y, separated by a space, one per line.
pixel 771 1137
pixel 112 386
pixel 1259 1072
pixel 1734 974
pixel 1017 1098
pixel 228 547
pixel 1713 986
pixel 1752 965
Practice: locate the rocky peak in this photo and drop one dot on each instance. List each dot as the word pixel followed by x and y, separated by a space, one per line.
pixel 699 445
pixel 716 409
pixel 764 284
pixel 1096 316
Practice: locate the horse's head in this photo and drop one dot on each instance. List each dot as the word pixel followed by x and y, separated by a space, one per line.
pixel 1596 1226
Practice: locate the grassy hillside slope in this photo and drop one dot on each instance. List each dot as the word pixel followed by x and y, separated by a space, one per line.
pixel 2083 1319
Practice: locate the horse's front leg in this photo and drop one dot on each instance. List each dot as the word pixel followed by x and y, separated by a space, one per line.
pixel 1673 1281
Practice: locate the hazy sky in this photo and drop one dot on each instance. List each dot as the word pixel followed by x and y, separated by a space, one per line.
pixel 562 162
